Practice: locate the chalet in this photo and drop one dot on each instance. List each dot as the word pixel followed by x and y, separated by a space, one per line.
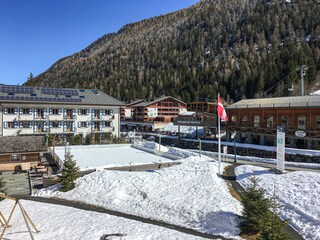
pixel 163 109
pixel 21 151
pixel 256 120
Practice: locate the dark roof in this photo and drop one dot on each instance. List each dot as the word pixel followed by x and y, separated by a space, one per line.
pixel 281 102
pixel 56 95
pixel 145 104
pixel 18 144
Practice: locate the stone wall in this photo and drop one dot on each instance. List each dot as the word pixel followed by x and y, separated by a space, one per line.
pixel 239 150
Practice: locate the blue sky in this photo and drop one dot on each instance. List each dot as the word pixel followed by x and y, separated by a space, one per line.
pixel 36 33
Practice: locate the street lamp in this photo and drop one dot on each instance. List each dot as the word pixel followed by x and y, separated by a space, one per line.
pixel 159 142
pixel 234 146
pixel 65 150
pixel 199 147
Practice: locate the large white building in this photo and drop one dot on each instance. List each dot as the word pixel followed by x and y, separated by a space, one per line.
pixel 41 110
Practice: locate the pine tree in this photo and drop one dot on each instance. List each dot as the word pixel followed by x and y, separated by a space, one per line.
pixel 2 187
pixel 272 228
pixel 255 207
pixel 69 173
pixel 257 217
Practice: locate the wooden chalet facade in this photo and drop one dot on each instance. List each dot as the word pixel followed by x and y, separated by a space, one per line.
pixel 255 121
pixel 203 107
pixel 23 152
pixel 163 109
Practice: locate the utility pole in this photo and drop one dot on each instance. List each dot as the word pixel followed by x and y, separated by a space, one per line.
pixel 302 69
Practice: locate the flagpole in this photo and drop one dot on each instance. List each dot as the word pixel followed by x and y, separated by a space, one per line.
pixel 219 145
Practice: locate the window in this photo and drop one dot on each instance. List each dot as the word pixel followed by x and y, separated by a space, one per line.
pixel 256 121
pixel 318 122
pixel 55 124
pixel 15 158
pixel 109 112
pixel 302 122
pixel 244 120
pixel 270 121
pixel 284 120
pixel 55 111
pixel 11 111
pixel 25 111
pixel 83 124
pixel 11 125
pixel 82 111
pixel 26 124
pixel 234 118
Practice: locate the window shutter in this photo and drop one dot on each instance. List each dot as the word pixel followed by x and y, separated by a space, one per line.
pixel 103 112
pixel 5 111
pixel 35 127
pixel 50 124
pixel 79 124
pixel 50 111
pixel 100 114
pixel 20 111
pixel 59 124
pixel 15 111
pixel 73 112
pixel 88 124
pixel 79 111
pixel 111 112
pixel 30 111
pixel 20 125
pixel 5 124
pixel 59 111
pixel 30 124
pixel 35 113
pixel 45 112
pixel 73 126
pixel 87 111
pixel 111 124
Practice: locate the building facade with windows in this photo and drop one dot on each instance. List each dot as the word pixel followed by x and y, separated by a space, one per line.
pixel 163 109
pixel 256 121
pixel 39 110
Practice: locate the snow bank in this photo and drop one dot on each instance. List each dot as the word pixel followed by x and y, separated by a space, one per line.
pixel 74 224
pixel 298 192
pixel 189 195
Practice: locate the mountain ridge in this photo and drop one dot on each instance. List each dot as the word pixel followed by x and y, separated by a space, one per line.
pixel 238 48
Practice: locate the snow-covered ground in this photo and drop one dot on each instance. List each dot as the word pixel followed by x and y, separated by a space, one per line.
pixel 188 131
pixel 65 223
pixel 190 195
pixel 298 192
pixel 102 156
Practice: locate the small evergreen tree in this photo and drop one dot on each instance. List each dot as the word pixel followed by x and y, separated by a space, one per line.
pixel 69 173
pixel 256 215
pixel 2 187
pixel 255 207
pixel 273 226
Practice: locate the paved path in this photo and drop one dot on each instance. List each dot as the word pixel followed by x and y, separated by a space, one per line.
pixel 231 177
pixel 88 207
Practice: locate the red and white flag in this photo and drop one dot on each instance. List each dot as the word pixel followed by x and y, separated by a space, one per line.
pixel 221 111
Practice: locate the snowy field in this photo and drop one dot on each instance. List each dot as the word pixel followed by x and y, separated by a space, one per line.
pixel 66 223
pixel 190 195
pixel 298 192
pixel 101 156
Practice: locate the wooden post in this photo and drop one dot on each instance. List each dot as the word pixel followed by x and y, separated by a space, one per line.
pixel 24 214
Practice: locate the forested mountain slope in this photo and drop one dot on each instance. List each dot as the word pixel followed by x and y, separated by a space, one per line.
pixel 240 48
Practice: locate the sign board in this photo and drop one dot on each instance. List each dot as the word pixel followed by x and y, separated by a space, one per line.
pixel 225 150
pixel 152 112
pixel 300 133
pixel 281 140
